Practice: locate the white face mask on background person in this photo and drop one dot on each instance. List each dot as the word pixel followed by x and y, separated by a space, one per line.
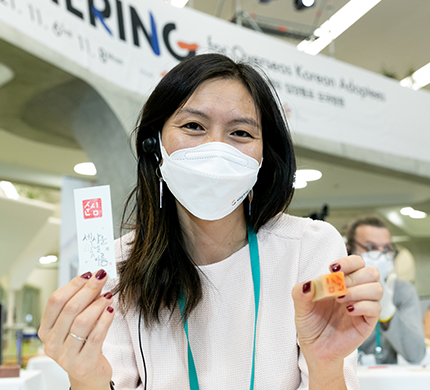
pixel 210 180
pixel 382 261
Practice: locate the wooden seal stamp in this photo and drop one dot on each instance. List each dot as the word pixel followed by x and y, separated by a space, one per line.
pixel 329 286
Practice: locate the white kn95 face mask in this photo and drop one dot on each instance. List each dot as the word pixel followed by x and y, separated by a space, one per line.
pixel 382 261
pixel 210 180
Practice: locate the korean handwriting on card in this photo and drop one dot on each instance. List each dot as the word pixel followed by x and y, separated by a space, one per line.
pixel 96 245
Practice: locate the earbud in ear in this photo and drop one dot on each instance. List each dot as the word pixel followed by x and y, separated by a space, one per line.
pixel 149 145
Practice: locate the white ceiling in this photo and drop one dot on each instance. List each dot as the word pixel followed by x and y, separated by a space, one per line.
pixel 21 220
pixel 392 36
pixel 352 187
pixel 19 154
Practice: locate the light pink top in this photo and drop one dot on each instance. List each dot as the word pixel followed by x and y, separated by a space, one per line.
pixel 221 328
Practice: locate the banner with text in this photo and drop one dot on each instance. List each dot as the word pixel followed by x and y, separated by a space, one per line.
pixel 133 43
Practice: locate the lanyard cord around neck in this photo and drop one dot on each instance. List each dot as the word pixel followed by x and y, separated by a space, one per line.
pixel 255 268
pixel 378 349
pixel 378 335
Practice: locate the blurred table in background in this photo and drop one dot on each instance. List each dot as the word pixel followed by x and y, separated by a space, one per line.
pixel 28 380
pixel 394 377
pixel 55 378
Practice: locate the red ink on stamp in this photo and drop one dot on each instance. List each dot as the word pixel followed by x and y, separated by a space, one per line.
pixel 334 284
pixel 92 208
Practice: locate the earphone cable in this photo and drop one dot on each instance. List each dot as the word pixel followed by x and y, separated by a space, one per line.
pixel 141 233
pixel 141 352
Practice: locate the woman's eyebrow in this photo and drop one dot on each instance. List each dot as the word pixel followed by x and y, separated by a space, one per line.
pixel 247 121
pixel 193 111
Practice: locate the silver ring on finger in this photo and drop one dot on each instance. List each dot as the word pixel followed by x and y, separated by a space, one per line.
pixel 83 339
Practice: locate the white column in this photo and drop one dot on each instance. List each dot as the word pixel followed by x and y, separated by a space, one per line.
pixel 10 307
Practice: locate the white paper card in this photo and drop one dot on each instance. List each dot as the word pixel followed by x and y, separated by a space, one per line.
pixel 95 230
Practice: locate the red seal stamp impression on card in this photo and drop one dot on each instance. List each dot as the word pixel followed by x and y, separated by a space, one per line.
pixel 92 208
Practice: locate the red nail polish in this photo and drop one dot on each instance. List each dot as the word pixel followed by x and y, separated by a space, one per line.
pixel 110 309
pixel 350 308
pixel 108 295
pixel 335 267
pixel 101 274
pixel 86 275
pixel 342 296
pixel 306 287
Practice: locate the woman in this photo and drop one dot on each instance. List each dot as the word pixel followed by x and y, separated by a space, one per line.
pixel 214 286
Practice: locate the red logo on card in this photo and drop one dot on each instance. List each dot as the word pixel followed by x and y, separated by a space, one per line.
pixel 92 208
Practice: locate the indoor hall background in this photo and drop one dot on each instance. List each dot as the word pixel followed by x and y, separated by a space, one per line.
pixel 388 40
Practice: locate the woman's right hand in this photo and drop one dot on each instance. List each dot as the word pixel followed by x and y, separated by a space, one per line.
pixel 78 308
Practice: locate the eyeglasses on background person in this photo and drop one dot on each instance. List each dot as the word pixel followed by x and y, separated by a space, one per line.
pixel 374 253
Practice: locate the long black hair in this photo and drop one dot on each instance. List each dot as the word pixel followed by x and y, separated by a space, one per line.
pixel 158 268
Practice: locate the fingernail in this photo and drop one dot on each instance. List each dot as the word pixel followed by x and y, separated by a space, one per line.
pixel 110 309
pixel 100 274
pixel 86 275
pixel 306 287
pixel 108 295
pixel 350 308
pixel 342 296
pixel 335 267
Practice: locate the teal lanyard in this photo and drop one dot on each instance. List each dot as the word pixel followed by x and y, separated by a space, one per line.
pixel 255 268
pixel 378 349
pixel 378 335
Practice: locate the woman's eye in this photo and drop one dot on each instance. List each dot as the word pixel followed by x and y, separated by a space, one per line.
pixel 193 126
pixel 242 133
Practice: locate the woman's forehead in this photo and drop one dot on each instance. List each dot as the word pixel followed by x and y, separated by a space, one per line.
pixel 224 94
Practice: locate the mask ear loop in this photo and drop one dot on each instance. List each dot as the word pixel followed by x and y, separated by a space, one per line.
pixel 250 198
pixel 160 178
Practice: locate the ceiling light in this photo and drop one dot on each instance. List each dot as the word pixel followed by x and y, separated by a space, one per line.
pixel 415 214
pixel 406 210
pixel 308 174
pixel 178 3
pixel 298 183
pixel 418 79
pixel 9 189
pixel 407 82
pixel 48 259
pixel 336 25
pixel 301 4
pixel 87 168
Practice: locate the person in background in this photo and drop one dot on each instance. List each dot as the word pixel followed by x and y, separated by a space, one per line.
pixel 400 329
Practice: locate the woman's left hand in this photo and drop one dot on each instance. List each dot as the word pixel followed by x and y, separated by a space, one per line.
pixel 331 329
